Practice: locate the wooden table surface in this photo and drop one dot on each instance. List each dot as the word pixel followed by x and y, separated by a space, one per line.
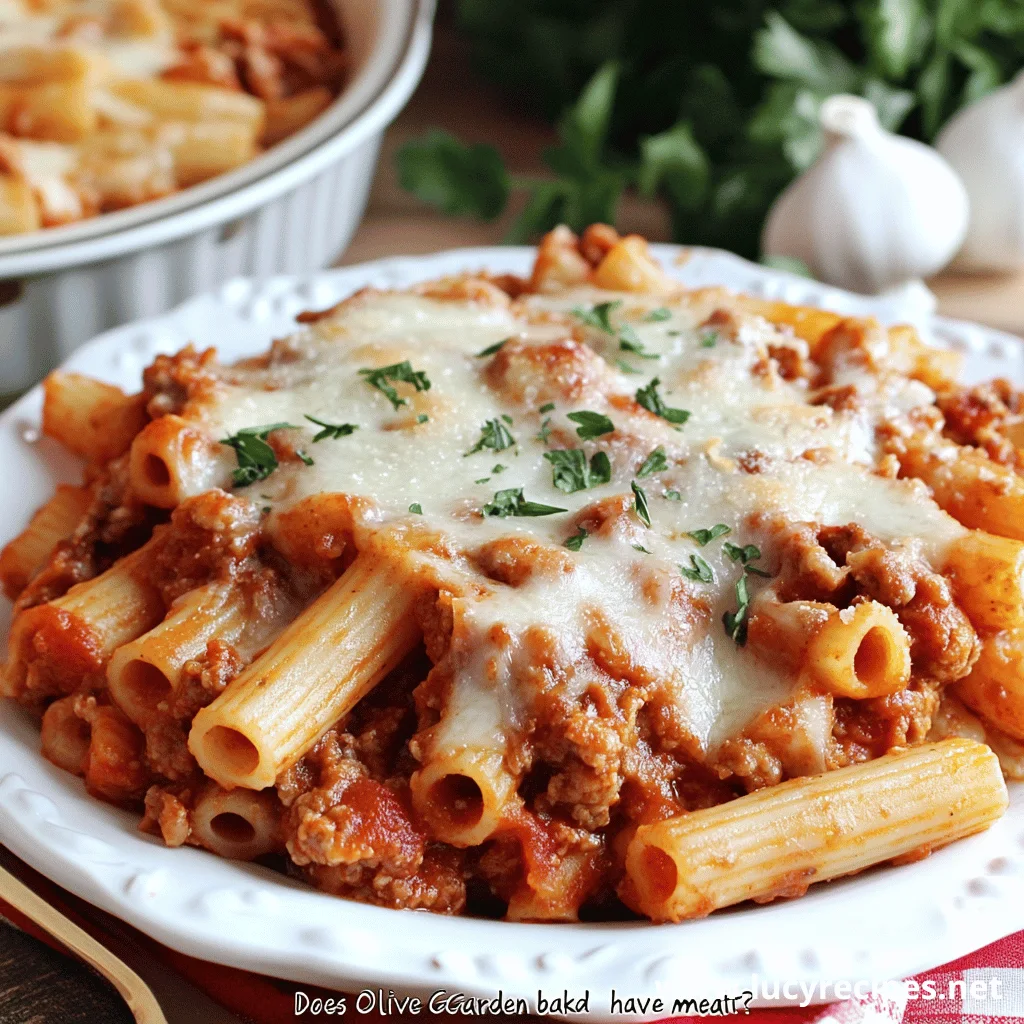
pixel 38 986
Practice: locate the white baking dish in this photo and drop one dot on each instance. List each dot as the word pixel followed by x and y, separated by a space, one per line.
pixel 292 210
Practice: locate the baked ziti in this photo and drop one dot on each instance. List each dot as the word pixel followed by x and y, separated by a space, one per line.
pixel 109 103
pixel 585 594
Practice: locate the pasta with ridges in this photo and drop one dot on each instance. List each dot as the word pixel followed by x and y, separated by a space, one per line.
pixel 541 598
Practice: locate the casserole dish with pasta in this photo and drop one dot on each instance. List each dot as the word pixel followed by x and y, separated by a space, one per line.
pixel 572 596
pixel 109 112
pixel 111 104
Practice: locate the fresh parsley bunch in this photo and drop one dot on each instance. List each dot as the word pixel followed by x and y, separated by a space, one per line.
pixel 710 106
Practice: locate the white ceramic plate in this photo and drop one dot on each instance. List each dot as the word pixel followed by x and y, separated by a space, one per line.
pixel 885 923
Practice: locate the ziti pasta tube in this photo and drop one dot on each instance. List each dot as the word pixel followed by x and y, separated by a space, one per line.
pixel 317 670
pixel 988 579
pixel 54 646
pixel 777 841
pixel 144 673
pixel 995 687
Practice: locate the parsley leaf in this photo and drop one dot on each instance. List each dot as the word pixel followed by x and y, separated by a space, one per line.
pixel 545 431
pixel 640 547
pixel 629 342
pixel 511 502
pixel 747 553
pixel 703 537
pixel 305 458
pixel 649 398
pixel 658 315
pixel 672 495
pixel 736 622
pixel 492 349
pixel 654 463
pixel 494 435
pixel 422 418
pixel 457 179
pixel 597 317
pixel 625 367
pixel 546 407
pixel 575 542
pixel 331 430
pixel 498 468
pixel 571 472
pixel 699 571
pixel 640 503
pixel 416 508
pixel 591 424
pixel 256 459
pixel 399 372
pixel 708 338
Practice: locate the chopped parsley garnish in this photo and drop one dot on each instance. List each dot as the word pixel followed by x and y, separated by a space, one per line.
pixel 403 372
pixel 511 502
pixel 629 342
pixel 703 537
pixel 305 458
pixel 591 424
pixel 416 508
pixel 736 622
pixel 571 472
pixel 657 315
pixel 545 431
pixel 492 349
pixel 508 419
pixel 494 435
pixel 422 418
pixel 498 468
pixel 598 316
pixel 625 367
pixel 654 463
pixel 256 459
pixel 546 407
pixel 672 496
pixel 708 338
pixel 640 503
pixel 640 547
pixel 699 571
pixel 745 555
pixel 482 480
pixel 331 430
pixel 649 398
pixel 575 542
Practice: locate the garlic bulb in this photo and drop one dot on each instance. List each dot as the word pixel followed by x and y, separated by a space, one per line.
pixel 985 145
pixel 874 210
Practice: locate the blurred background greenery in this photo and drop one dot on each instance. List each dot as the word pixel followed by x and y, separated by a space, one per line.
pixel 711 106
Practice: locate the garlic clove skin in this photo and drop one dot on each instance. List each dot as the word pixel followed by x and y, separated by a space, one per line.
pixel 985 145
pixel 874 210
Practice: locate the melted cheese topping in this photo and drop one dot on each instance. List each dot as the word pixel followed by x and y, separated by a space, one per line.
pixel 128 57
pixel 624 582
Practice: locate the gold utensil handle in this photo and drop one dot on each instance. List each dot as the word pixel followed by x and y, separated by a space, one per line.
pixel 133 989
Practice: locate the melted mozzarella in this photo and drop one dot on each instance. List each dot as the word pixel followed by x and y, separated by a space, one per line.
pixel 624 582
pixel 135 57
